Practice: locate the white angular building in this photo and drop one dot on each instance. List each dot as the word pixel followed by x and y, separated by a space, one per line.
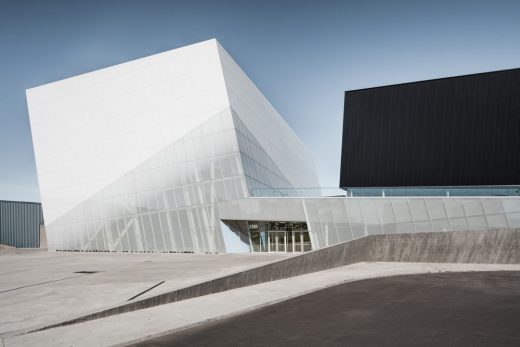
pixel 134 157
pixel 180 152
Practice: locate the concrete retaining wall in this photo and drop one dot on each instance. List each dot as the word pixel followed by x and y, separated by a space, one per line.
pixel 501 246
pixel 484 247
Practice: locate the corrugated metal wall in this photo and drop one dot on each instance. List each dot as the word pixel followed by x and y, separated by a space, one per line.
pixel 456 131
pixel 20 223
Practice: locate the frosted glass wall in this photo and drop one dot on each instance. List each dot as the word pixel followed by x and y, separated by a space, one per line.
pixel 166 203
pixel 334 220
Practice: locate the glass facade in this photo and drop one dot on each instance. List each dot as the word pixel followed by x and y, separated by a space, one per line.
pixel 338 219
pixel 166 203
pixel 285 237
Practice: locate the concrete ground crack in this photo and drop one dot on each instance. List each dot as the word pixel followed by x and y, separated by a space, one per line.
pixel 41 283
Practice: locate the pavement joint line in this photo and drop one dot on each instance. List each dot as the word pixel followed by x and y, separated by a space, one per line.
pixel 42 283
pixel 145 291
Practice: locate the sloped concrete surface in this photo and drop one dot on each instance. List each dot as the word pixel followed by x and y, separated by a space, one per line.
pixel 39 287
pixel 205 274
pixel 156 321
pixel 495 246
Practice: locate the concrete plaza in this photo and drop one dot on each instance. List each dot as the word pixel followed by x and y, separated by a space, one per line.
pixel 41 288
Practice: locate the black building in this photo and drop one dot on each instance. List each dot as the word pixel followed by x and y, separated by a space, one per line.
pixel 456 131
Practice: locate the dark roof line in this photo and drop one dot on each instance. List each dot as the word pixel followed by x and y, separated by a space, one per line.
pixel 22 202
pixel 430 80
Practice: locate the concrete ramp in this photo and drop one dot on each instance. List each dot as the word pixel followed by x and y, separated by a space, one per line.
pixel 497 246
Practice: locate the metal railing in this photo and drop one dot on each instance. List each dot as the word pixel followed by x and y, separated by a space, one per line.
pixel 386 191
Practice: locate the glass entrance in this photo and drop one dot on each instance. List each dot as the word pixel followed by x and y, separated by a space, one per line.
pixel 277 241
pixel 285 237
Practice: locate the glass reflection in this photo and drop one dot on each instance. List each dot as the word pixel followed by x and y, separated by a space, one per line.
pixel 282 237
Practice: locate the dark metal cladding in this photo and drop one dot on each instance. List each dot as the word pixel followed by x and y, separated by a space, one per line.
pixel 456 131
pixel 20 223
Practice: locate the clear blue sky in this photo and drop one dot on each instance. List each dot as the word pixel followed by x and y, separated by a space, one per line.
pixel 302 55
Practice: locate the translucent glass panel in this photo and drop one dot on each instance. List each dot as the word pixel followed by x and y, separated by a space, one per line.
pixel 167 203
pixel 290 237
pixel 333 220
pixel 278 140
pixel 259 168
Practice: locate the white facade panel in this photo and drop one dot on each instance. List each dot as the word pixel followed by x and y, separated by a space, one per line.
pixel 91 129
pixel 135 157
pixel 285 151
pixel 334 220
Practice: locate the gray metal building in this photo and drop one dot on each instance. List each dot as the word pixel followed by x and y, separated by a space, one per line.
pixel 20 223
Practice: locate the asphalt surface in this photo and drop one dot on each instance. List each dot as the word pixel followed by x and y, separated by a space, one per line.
pixel 447 309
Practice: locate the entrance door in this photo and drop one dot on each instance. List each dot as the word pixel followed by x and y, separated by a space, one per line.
pixel 298 241
pixel 290 237
pixel 277 241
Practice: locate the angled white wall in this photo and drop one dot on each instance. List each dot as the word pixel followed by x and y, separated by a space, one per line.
pixel 89 130
pixel 284 150
pixel 135 157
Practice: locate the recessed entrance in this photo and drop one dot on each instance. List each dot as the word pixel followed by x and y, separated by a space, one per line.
pixel 292 237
